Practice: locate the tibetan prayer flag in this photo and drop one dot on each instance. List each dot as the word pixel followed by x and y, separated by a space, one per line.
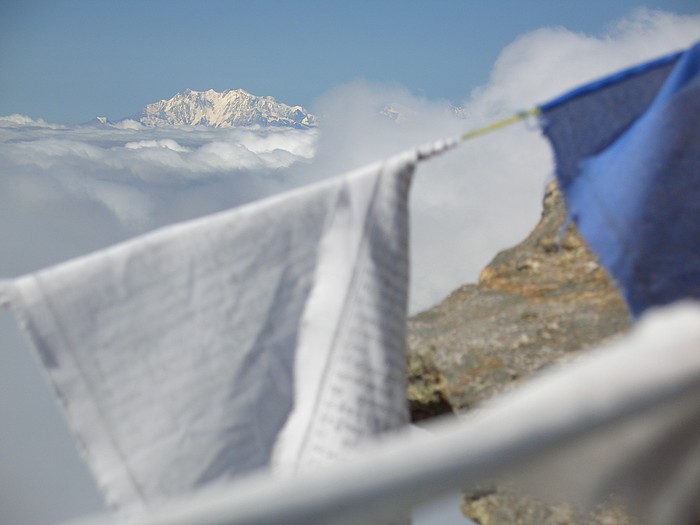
pixel 627 151
pixel 268 336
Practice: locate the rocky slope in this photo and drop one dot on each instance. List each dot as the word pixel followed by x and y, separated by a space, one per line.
pixel 231 108
pixel 542 301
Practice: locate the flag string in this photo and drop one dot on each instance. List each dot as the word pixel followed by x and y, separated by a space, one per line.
pixel 495 126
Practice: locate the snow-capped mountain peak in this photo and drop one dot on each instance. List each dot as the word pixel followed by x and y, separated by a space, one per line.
pixel 230 108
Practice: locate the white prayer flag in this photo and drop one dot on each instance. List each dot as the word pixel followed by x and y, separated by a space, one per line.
pixel 622 418
pixel 182 356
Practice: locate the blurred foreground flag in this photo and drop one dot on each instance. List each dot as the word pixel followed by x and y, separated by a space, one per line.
pixel 269 335
pixel 627 150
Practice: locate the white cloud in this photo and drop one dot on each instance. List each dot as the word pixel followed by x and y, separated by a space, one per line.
pixel 97 185
pixel 17 120
pixel 165 143
pixel 544 63
pixel 128 124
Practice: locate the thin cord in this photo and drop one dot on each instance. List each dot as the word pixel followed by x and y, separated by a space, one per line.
pixel 501 124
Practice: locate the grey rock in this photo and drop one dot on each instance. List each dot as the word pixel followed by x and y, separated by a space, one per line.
pixel 541 302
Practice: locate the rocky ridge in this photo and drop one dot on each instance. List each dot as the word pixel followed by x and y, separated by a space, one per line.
pixel 543 301
pixel 230 108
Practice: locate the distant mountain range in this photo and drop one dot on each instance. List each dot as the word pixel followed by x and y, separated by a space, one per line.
pixel 237 108
pixel 230 108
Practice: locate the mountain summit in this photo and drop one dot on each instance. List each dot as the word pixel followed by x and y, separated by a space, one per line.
pixel 231 108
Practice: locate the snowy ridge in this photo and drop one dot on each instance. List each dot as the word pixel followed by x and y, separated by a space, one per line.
pixel 231 108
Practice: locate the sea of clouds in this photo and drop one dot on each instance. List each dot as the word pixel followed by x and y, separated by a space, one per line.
pixel 68 190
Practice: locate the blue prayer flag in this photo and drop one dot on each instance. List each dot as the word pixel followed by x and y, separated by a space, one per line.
pixel 627 151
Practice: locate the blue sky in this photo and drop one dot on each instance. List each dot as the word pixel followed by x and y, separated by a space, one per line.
pixel 68 190
pixel 70 61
